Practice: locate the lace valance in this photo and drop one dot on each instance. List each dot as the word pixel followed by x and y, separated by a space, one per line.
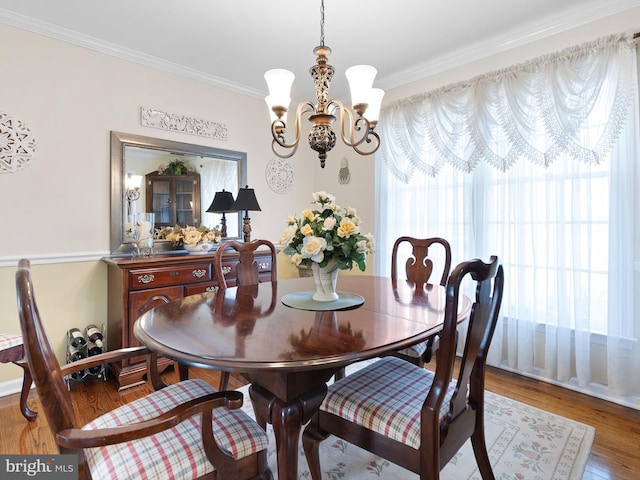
pixel 572 102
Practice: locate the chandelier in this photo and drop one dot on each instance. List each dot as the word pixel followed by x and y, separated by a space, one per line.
pixel 356 130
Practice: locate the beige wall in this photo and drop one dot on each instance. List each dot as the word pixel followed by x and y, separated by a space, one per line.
pixel 56 211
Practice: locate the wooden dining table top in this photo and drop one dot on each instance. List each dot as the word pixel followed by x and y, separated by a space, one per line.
pixel 249 328
pixel 289 354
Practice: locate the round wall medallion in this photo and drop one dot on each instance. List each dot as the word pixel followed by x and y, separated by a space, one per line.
pixel 279 174
pixel 17 144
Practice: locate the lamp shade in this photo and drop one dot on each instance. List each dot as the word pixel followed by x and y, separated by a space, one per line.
pixel 132 181
pixel 375 102
pixel 246 200
pixel 360 78
pixel 279 82
pixel 222 202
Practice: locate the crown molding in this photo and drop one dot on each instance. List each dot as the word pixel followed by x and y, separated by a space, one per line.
pixel 590 12
pixel 66 35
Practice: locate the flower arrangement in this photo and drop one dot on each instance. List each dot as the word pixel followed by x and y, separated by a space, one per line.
pixel 326 234
pixel 189 235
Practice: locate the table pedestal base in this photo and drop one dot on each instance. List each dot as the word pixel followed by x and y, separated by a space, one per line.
pixel 287 419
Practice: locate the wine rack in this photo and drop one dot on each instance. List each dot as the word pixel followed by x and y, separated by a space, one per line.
pixel 78 349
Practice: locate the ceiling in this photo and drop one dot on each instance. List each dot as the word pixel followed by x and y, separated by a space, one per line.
pixel 231 43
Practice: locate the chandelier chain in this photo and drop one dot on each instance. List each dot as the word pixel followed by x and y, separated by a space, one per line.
pixel 322 23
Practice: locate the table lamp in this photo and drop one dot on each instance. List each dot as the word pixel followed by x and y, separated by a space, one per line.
pixel 222 203
pixel 246 200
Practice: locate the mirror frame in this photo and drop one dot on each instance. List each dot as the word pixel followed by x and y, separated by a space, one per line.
pixel 119 141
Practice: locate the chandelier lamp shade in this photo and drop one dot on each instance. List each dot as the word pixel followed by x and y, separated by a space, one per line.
pixel 356 124
pixel 222 203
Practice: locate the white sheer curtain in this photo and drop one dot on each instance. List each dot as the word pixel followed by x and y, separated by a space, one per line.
pixel 561 208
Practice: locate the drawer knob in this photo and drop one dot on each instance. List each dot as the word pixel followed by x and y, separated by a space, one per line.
pixel 199 273
pixel 212 289
pixel 173 274
pixel 263 265
pixel 146 278
pixel 226 269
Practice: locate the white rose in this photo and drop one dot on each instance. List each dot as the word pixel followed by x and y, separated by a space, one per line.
pixel 329 223
pixel 288 234
pixel 313 248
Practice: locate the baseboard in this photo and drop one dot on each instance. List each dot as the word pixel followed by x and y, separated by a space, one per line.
pixel 10 387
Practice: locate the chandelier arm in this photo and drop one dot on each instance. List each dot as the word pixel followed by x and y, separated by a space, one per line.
pixel 347 117
pixel 375 141
pixel 278 127
pixel 274 149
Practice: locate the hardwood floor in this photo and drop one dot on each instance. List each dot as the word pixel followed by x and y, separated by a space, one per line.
pixel 615 453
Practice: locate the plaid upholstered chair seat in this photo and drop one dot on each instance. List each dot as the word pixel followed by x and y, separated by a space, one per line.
pixel 385 397
pixel 8 340
pixel 177 453
pixel 415 351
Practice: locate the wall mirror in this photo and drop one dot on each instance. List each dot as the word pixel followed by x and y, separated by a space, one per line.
pixel 135 155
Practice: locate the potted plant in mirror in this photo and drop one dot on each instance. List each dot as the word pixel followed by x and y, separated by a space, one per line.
pixel 195 240
pixel 175 167
pixel 326 239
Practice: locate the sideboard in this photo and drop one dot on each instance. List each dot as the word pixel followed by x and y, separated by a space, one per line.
pixel 137 285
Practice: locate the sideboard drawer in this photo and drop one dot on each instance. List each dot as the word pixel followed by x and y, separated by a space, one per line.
pixel 201 288
pixel 179 274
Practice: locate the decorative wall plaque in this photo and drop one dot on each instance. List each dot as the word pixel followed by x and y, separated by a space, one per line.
pixel 279 174
pixel 150 117
pixel 17 144
pixel 344 175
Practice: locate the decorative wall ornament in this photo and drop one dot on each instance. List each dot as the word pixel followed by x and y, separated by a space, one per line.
pixel 279 174
pixel 17 144
pixel 176 122
pixel 344 175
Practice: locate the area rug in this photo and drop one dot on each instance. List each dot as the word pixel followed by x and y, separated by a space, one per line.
pixel 524 443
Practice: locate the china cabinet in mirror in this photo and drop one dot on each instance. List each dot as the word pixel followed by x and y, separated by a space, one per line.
pixel 174 199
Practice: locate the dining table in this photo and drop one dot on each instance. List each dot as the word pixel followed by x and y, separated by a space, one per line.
pixel 289 346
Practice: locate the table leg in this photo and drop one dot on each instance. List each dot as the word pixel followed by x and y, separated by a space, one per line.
pixel 287 419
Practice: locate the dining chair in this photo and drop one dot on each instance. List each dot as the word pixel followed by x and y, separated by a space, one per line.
pixel 409 415
pixel 247 269
pixel 418 269
pixel 247 272
pixel 11 350
pixel 185 430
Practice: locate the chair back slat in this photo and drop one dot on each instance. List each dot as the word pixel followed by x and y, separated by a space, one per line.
pixel 419 266
pixel 247 269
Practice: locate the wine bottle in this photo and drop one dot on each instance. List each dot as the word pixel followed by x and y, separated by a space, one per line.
pixel 74 354
pixel 76 338
pixel 93 349
pixel 94 334
pixel 79 375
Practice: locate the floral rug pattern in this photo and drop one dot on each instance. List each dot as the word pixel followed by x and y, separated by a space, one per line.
pixel 524 443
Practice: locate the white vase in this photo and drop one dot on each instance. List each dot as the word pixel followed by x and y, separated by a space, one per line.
pixel 202 248
pixel 325 279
